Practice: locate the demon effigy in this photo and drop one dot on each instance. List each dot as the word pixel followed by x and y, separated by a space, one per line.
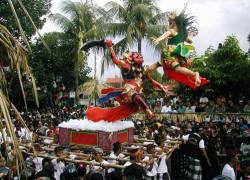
pixel 130 96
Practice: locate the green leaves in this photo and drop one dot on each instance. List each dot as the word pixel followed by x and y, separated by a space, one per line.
pixel 82 22
pixel 36 9
pixel 227 68
pixel 133 21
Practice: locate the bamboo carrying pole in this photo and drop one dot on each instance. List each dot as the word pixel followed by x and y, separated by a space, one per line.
pixel 168 140
pixel 82 155
pixel 81 161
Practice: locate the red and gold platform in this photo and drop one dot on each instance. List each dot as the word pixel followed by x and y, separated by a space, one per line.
pixel 101 134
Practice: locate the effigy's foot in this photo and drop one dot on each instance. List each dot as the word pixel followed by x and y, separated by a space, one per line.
pixel 197 79
pixel 150 114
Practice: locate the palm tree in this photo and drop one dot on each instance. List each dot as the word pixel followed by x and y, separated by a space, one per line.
pixel 92 89
pixel 83 22
pixel 248 38
pixel 134 21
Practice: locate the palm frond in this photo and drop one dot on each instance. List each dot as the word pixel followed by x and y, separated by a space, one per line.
pixel 62 21
pixel 19 25
pixel 92 88
pixel 33 24
pixel 160 18
pixel 5 114
pixel 17 55
pixel 115 8
pixel 116 29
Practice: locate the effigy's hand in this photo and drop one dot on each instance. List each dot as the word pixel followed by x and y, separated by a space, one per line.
pixel 165 89
pixel 109 43
pixel 155 41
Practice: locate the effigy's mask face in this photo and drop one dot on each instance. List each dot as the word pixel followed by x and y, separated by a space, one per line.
pixel 171 23
pixel 133 58
pixel 137 58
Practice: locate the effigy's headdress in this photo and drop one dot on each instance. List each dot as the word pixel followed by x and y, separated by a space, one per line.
pixel 183 21
pixel 172 15
pixel 133 57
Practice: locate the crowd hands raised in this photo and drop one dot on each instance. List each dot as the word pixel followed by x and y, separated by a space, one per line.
pixel 161 150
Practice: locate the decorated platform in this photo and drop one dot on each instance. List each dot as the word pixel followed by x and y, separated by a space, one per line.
pixel 102 134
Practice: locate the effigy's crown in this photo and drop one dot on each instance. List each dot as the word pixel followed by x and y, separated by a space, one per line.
pixel 172 15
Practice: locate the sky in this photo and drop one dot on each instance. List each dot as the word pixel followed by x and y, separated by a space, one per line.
pixel 216 19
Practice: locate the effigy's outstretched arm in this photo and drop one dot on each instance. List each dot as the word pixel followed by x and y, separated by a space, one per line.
pixel 115 60
pixel 169 33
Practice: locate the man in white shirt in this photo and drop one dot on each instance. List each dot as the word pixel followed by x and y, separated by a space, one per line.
pixel 37 160
pixel 228 169
pixel 58 163
pixel 245 148
pixel 115 154
pixel 189 108
pixel 149 159
pixel 98 152
pixel 166 108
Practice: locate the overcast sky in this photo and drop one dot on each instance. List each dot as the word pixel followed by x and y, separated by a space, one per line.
pixel 216 20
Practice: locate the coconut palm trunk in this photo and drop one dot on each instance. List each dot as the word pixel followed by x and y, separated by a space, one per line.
pixel 139 45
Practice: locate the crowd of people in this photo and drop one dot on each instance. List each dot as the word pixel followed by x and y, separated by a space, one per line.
pixel 182 104
pixel 166 149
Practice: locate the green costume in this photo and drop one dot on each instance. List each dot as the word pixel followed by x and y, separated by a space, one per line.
pixel 176 46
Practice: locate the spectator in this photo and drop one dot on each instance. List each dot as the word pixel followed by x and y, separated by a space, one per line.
pixel 166 108
pixel 133 171
pixel 5 172
pixel 245 148
pixel 228 169
pixel 247 107
pixel 245 170
pixel 69 173
pixel 181 108
pixel 194 148
pixel 58 163
pixel 158 107
pixel 47 170
pixel 189 108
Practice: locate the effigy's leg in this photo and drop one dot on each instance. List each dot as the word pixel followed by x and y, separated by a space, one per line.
pixel 185 71
pixel 136 98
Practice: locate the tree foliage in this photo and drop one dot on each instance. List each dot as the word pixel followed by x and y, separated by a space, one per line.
pixel 227 68
pixel 37 10
pixel 148 89
pixel 17 62
pixel 134 21
pixel 47 67
pixel 82 22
